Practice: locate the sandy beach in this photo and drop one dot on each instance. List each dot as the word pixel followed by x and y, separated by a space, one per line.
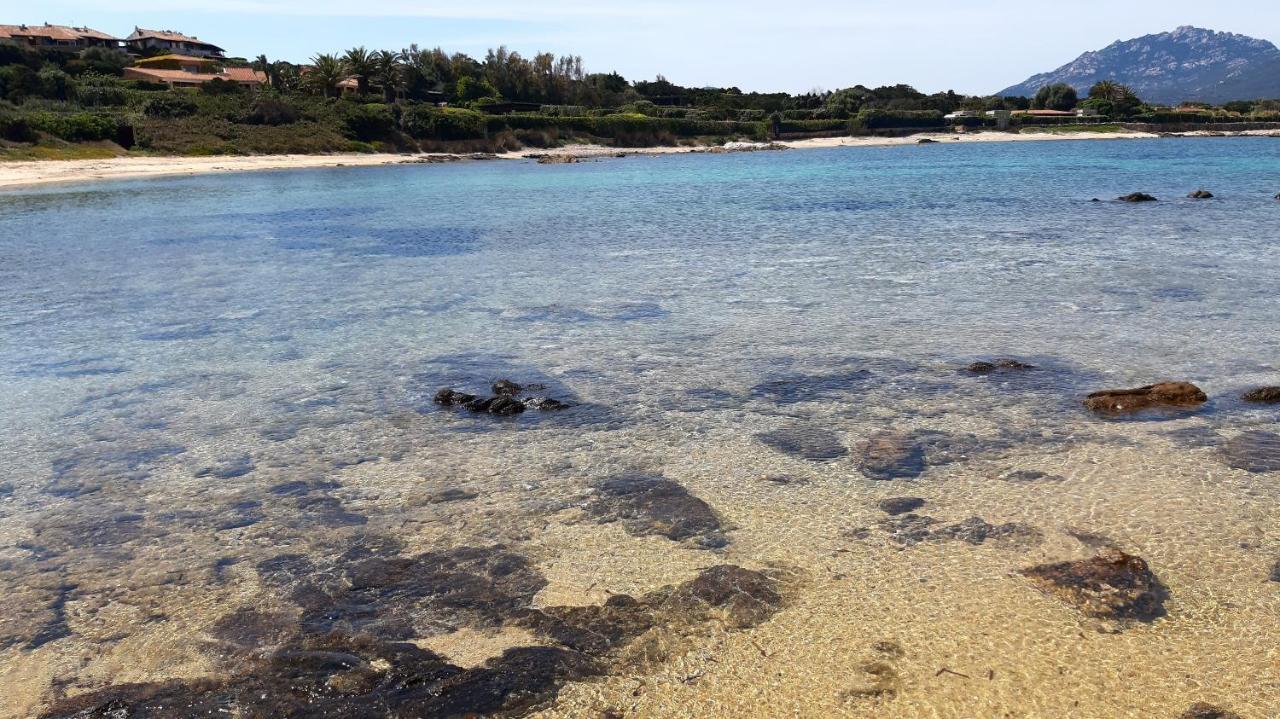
pixel 19 174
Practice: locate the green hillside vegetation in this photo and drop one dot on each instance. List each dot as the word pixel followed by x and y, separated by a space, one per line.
pixel 59 104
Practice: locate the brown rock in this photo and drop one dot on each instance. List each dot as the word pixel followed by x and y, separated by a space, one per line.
pixel 1177 395
pixel 892 455
pixel 1137 197
pixel 1111 585
pixel 1201 195
pixel 1264 395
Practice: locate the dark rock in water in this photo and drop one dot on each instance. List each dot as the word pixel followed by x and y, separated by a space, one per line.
pixel 1170 395
pixel 1253 451
pixel 1201 710
pixel 399 597
pixel 976 530
pixel 1275 572
pixel 656 506
pixel 998 365
pixel 545 404
pixel 1137 197
pixel 503 403
pixel 1201 195
pixel 1111 585
pixel 908 529
pixel 1030 475
pixel 926 141
pixel 892 455
pixel 449 398
pixel 1263 395
pixel 506 388
pixel 345 676
pixel 806 388
pixel 1093 540
pixel 726 594
pixel 900 505
pixel 811 443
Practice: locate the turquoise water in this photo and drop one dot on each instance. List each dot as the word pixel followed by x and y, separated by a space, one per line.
pixel 202 374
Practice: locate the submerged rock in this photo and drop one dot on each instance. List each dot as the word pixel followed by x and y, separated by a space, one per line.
pixel 811 443
pixel 1111 585
pixel 502 406
pixel 892 455
pixel 894 506
pixel 341 675
pixel 1262 395
pixel 1167 395
pixel 1201 195
pixel 1253 451
pixel 729 595
pixel 451 398
pixel 1004 364
pixel 976 530
pixel 1030 475
pixel 656 506
pixel 1201 710
pixel 1136 197
pixel 910 529
pixel 506 388
pixel 505 402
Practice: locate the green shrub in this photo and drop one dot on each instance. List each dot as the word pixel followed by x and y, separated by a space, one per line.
pixel 170 106
pixel 369 121
pixel 273 111
pixel 76 126
pixel 16 128
pixel 425 122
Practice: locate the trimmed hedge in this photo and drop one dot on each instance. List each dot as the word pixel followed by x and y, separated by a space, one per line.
pixel 424 122
pixel 895 119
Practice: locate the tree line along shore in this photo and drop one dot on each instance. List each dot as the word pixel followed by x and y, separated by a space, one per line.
pixel 56 104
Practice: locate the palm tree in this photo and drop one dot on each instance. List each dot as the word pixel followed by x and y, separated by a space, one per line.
pixel 264 66
pixel 1107 90
pixel 325 74
pixel 389 74
pixel 360 63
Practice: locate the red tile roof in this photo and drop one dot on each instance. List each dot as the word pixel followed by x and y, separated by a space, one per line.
pixel 230 74
pixel 54 32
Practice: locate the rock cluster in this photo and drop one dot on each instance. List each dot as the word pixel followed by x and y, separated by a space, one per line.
pixel 1137 197
pixel 504 402
pixel 1201 195
pixel 1003 364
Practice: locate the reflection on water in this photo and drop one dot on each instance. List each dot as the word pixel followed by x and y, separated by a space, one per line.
pixel 822 449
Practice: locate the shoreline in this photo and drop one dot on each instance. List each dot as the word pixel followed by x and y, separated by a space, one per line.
pixel 26 174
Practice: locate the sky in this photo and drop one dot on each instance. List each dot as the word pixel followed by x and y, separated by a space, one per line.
pixel 969 47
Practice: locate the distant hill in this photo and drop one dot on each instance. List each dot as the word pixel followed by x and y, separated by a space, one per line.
pixel 1187 64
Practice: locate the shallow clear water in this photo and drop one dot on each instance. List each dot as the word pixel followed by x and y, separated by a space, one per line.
pixel 202 375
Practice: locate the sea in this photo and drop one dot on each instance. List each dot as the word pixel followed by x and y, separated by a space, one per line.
pixel 744 464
